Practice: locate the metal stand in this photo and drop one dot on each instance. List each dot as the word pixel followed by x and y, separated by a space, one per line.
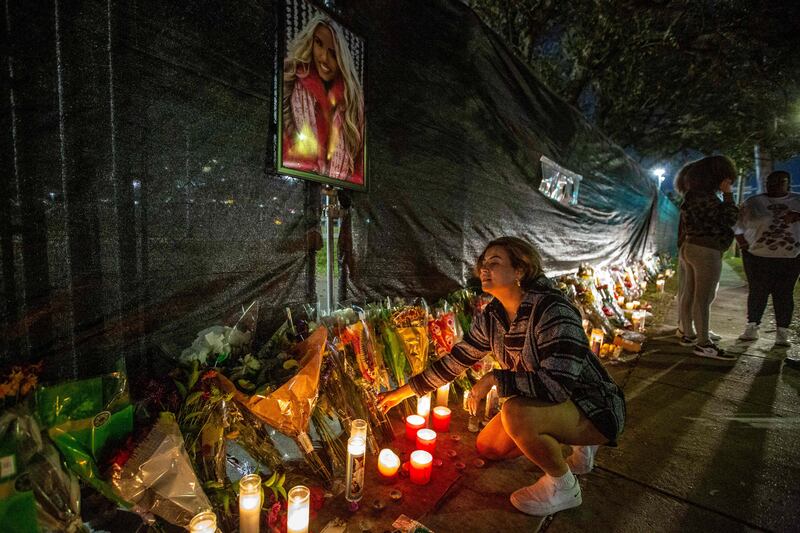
pixel 331 213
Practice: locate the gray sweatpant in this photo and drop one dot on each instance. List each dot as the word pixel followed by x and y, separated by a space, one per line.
pixel 703 267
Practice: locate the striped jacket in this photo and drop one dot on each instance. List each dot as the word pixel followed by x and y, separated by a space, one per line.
pixel 543 353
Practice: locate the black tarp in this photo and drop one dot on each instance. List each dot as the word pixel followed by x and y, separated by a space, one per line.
pixel 140 204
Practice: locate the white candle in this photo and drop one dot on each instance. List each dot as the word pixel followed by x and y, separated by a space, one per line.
pixel 297 510
pixel 356 462
pixel 250 504
pixel 660 285
pixel 358 428
pixel 464 400
pixel 424 406
pixel 443 394
pixel 491 401
pixel 203 522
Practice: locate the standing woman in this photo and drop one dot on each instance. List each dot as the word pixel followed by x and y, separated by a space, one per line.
pixel 707 227
pixel 768 232
pixel 323 104
pixel 559 392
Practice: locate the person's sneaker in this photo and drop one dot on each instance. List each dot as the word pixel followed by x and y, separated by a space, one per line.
pixel 543 498
pixel 782 337
pixel 792 363
pixel 581 461
pixel 685 340
pixel 714 337
pixel 750 332
pixel 712 351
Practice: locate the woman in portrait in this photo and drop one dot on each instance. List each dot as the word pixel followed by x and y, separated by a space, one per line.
pixel 323 104
pixel 557 391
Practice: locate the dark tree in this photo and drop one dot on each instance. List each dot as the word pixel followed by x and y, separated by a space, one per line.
pixel 663 76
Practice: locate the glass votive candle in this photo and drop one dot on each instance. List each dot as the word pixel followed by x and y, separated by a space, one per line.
pixel 388 464
pixel 413 424
pixel 426 440
pixel 203 522
pixel 420 467
pixel 443 394
pixel 358 428
pixel 441 418
pixel 464 400
pixel 297 509
pixel 250 503
pixel 660 285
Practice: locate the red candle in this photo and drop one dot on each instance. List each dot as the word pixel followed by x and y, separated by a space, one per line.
pixel 413 423
pixel 441 419
pixel 426 440
pixel 420 467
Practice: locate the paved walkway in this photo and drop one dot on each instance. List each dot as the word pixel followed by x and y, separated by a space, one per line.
pixel 709 445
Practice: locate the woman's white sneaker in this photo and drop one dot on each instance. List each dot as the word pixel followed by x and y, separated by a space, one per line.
pixel 712 351
pixel 750 332
pixel 544 498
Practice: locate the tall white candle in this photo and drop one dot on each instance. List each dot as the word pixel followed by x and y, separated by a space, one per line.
pixel 424 406
pixel 491 402
pixel 297 509
pixel 250 504
pixel 356 462
pixel 442 395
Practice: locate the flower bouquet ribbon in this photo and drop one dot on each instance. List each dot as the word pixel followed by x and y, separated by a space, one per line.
pixel 288 408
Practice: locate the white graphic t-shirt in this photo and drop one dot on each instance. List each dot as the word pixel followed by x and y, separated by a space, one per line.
pixel 761 221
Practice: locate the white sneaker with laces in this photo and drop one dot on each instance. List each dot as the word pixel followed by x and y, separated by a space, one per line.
pixel 782 337
pixel 750 332
pixel 712 351
pixel 544 498
pixel 581 461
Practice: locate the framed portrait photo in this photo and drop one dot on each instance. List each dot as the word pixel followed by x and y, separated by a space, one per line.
pixel 321 120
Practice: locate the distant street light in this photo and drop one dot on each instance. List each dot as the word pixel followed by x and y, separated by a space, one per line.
pixel 659 173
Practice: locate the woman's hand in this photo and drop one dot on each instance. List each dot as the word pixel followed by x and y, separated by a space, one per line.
pixel 387 400
pixel 479 392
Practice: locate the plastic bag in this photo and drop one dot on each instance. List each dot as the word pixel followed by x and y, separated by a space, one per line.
pixel 36 491
pixel 159 478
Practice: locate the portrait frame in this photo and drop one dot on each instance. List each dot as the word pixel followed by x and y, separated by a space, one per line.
pixel 321 104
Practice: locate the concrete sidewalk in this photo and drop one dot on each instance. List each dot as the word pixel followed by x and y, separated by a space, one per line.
pixel 709 445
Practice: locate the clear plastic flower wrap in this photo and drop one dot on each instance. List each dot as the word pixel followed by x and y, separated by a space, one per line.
pixel 159 478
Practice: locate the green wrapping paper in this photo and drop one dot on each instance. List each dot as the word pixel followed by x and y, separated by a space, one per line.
pixel 85 419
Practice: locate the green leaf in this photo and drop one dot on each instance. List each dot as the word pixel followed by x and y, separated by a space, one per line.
pixel 221 358
pixel 282 491
pixel 193 397
pixel 194 375
pixel 272 479
pixel 192 416
pixel 181 388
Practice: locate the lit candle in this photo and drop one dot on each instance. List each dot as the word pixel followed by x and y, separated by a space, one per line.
pixel 637 319
pixel 443 394
pixel 491 403
pixel 643 286
pixel 621 300
pixel 388 464
pixel 629 306
pixel 660 285
pixel 420 467
pixel 356 461
pixel 426 440
pixel 250 503
pixel 597 340
pixel 424 406
pixel 636 304
pixel 358 428
pixel 464 400
pixel 203 522
pixel 413 424
pixel 441 418
pixel 297 509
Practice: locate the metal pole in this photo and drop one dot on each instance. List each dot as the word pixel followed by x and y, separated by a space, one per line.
pixel 331 212
pixel 739 195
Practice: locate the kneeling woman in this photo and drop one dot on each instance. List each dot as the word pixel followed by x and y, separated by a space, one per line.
pixel 558 392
